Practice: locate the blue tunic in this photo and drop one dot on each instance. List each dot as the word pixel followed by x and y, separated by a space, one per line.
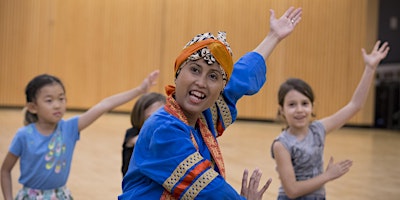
pixel 165 158
pixel 45 161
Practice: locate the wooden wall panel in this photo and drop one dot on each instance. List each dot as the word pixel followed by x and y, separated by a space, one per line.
pixel 97 48
pixel 324 51
pixel 100 47
pixel 105 47
pixel 322 48
pixel 23 46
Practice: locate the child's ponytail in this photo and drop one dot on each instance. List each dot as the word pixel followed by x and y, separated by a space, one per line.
pixel 29 117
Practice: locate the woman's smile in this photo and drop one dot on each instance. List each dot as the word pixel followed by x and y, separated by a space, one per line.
pixel 198 86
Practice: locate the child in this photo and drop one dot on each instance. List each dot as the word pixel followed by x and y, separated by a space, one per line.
pixel 143 108
pixel 46 144
pixel 177 155
pixel 298 150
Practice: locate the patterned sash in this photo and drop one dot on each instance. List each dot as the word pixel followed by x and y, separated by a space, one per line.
pixel 174 109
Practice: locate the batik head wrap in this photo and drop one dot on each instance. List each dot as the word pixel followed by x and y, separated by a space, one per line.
pixel 212 49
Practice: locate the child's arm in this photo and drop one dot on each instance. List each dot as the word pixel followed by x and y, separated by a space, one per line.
pixel 279 29
pixel 294 188
pixel 360 95
pixel 116 100
pixel 6 183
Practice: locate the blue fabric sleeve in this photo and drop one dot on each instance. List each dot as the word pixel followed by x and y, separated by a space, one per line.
pixel 17 143
pixel 248 77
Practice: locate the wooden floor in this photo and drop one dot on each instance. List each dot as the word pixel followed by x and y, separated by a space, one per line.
pixel 95 172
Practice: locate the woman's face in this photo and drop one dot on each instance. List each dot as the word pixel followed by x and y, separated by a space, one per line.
pixel 198 86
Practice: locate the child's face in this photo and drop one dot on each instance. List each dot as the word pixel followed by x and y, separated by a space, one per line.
pixel 198 86
pixel 297 109
pixel 152 108
pixel 50 104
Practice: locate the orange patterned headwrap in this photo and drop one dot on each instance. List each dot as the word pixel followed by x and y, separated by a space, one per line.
pixel 218 47
pixel 212 49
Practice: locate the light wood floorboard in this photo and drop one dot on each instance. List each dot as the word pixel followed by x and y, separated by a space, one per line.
pixel 95 172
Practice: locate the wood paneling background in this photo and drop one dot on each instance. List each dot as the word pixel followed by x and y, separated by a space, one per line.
pixel 101 47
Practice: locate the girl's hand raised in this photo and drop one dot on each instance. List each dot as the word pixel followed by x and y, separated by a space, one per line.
pixel 378 53
pixel 149 81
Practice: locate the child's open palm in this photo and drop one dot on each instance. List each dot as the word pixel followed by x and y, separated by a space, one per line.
pixel 149 81
pixel 378 53
pixel 336 170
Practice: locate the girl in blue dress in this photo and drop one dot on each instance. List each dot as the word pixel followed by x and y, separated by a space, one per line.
pixel 45 145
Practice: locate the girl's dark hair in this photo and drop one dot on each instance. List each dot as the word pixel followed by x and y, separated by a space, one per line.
pixel 32 89
pixel 145 101
pixel 294 84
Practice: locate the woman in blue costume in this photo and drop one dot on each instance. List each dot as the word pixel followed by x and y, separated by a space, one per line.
pixel 177 155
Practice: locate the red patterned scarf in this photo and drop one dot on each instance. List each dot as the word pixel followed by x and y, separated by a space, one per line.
pixel 174 109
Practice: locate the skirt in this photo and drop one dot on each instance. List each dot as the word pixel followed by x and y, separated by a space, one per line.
pixel 61 193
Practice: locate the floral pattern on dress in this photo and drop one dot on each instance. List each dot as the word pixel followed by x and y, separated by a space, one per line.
pixel 61 193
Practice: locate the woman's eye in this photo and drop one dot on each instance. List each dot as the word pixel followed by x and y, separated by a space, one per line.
pixel 214 76
pixel 195 69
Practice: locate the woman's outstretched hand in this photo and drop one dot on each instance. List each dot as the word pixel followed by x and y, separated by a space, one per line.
pixel 283 26
pixel 250 189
